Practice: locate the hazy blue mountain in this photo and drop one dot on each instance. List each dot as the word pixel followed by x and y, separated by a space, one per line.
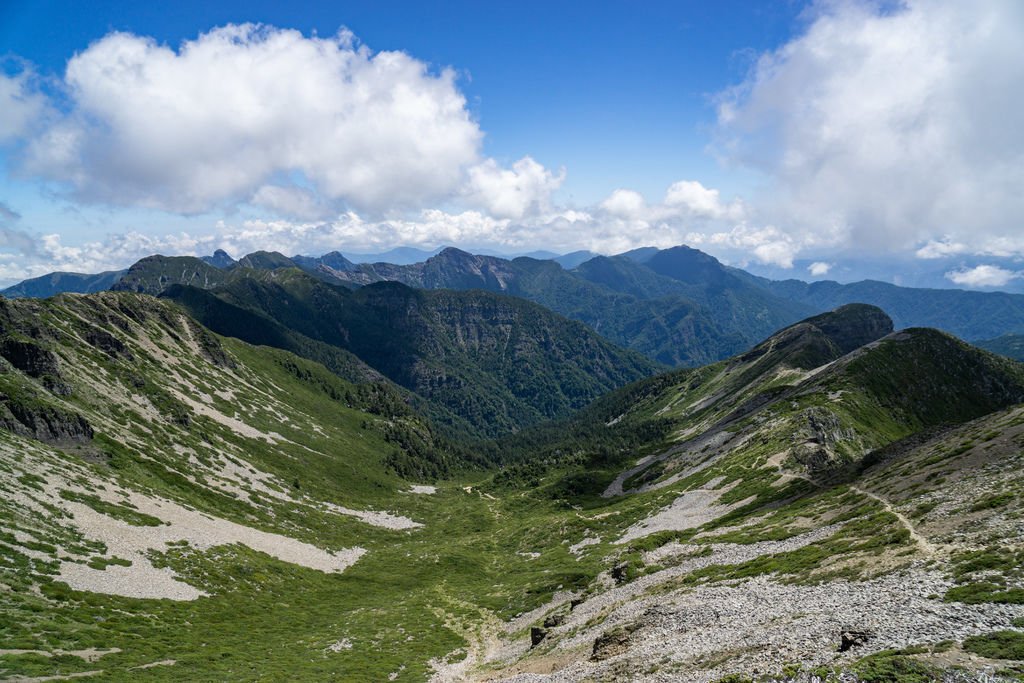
pixel 1009 345
pixel 967 314
pixel 58 283
pixel 399 256
pixel 573 259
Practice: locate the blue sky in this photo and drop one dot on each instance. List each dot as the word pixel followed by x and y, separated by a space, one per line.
pixel 789 135
pixel 620 93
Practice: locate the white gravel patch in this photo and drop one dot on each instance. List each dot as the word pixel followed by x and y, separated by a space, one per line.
pixel 340 645
pixel 143 580
pixel 577 548
pixel 385 520
pixel 763 624
pixel 423 488
pixel 690 510
pixel 232 423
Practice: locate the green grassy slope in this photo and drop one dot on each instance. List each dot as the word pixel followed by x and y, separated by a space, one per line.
pixel 120 396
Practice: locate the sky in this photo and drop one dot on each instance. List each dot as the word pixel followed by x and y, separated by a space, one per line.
pixel 797 138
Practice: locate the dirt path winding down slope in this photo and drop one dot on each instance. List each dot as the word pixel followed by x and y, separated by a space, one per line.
pixel 927 546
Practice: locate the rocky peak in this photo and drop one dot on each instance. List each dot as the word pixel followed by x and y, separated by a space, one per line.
pixel 219 259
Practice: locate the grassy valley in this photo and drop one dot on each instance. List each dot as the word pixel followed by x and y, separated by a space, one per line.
pixel 181 505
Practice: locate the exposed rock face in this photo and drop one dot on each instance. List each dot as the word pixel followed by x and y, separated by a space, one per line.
pixel 29 357
pixel 107 343
pixel 44 423
pixel 537 634
pixel 611 643
pixel 554 620
pixel 822 434
pixel 851 638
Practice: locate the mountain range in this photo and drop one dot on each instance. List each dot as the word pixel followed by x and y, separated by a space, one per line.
pixel 678 306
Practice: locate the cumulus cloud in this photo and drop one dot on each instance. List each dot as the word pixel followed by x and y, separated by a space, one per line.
pixel 217 120
pixel 819 268
pixel 702 202
pixel 512 193
pixel 767 244
pixel 627 204
pixel 893 126
pixel 685 200
pixel 941 248
pixel 983 276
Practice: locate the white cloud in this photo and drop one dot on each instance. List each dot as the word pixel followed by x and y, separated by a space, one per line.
pixel 627 204
pixel 983 276
pixel 819 268
pixel 936 249
pixel 21 107
pixel 701 202
pixel 768 244
pixel 893 125
pixel 512 193
pixel 213 122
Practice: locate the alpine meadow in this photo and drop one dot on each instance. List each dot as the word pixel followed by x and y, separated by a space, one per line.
pixel 533 342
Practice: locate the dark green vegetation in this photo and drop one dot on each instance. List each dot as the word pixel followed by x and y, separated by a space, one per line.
pixel 676 314
pixel 988 575
pixel 828 420
pixel 485 364
pixel 998 645
pixel 261 438
pixel 678 306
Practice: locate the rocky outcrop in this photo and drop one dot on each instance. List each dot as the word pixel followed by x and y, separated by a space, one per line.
pixel 43 423
pixel 537 635
pixel 823 432
pixel 107 343
pixel 851 638
pixel 612 643
pixel 29 357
